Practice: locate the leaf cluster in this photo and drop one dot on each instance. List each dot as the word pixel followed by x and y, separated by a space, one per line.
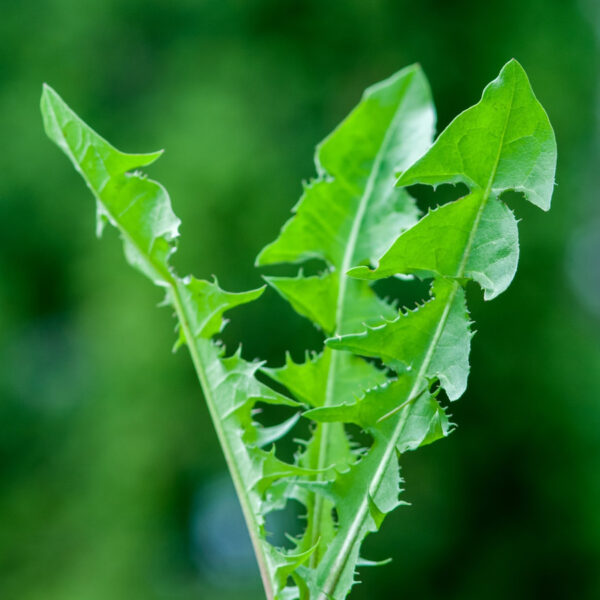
pixel 389 371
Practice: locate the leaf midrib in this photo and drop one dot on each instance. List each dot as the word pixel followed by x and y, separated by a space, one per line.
pixel 325 428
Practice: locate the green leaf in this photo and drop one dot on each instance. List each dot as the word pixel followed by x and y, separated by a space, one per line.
pixel 432 341
pixel 383 370
pixel 352 212
pixel 307 381
pixel 208 302
pixel 312 297
pixel 146 221
pixel 504 142
pixel 348 215
pixel 437 244
pixel 141 210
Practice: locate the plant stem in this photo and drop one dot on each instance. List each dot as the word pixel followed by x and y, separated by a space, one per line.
pixel 247 509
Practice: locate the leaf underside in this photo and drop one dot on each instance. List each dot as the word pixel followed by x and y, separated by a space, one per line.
pixel 385 370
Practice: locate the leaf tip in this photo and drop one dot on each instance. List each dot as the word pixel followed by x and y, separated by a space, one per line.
pixel 49 98
pixel 262 257
pixel 47 90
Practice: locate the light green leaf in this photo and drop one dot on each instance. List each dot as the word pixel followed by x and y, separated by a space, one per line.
pixel 321 290
pixel 436 245
pixel 208 302
pixel 432 341
pixel 307 381
pixel 349 215
pixel 352 212
pixel 505 142
pixel 353 215
pixel 141 210
pixel 146 220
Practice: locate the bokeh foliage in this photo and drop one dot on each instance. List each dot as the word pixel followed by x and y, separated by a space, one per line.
pixel 111 478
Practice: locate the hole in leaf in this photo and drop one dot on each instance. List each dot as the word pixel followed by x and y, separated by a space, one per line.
pixel 310 267
pixel 427 197
pixel 285 523
pixel 275 385
pixel 334 515
pixel 266 328
pixel 269 415
pixel 512 198
pixel 404 293
pixel 360 440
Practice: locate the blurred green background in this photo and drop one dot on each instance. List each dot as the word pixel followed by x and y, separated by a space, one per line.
pixel 112 485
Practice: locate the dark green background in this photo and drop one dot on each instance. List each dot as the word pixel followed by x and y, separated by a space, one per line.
pixel 111 480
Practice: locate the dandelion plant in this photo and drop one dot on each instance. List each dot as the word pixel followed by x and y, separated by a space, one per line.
pixel 390 371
